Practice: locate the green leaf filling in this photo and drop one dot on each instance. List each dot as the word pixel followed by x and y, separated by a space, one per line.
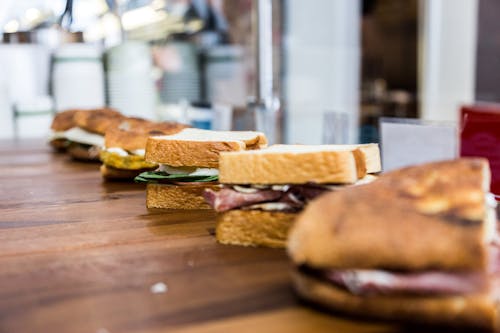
pixel 163 177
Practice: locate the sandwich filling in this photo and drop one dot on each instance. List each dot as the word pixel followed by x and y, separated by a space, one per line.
pixel 283 198
pixel 79 135
pixel 82 143
pixel 289 198
pixel 166 174
pixel 379 282
pixel 120 158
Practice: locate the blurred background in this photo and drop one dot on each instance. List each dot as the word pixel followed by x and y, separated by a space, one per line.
pixel 322 71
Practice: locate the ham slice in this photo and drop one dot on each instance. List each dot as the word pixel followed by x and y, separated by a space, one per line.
pixel 294 197
pixel 378 282
pixel 227 198
pixel 367 282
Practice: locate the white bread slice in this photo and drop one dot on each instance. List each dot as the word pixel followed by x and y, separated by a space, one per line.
pixel 371 155
pixel 201 148
pixel 188 196
pixel 254 227
pixel 299 164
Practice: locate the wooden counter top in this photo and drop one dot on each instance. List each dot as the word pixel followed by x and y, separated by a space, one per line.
pixel 80 255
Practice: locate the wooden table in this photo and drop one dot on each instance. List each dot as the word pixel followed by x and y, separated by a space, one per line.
pixel 80 255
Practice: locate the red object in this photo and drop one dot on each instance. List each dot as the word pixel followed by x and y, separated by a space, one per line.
pixel 480 137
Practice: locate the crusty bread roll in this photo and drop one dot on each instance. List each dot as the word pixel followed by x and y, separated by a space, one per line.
pixel 195 147
pixel 136 138
pixel 446 198
pixel 476 310
pixel 254 227
pixel 294 164
pixel 98 120
pixel 186 196
pixel 63 121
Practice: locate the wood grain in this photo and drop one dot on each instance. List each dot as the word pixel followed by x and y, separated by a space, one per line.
pixel 80 255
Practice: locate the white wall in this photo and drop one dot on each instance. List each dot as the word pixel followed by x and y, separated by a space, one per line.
pixel 447 56
pixel 322 66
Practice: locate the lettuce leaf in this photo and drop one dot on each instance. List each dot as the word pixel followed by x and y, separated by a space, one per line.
pixel 163 177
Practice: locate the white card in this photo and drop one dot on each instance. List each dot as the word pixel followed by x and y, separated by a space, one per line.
pixel 407 142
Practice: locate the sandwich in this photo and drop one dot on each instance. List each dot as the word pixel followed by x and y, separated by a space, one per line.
pixel 417 245
pixel 264 190
pixel 81 132
pixel 188 163
pixel 124 147
pixel 62 122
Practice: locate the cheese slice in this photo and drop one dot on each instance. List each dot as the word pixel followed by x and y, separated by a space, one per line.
pixel 54 135
pixel 79 135
pixel 139 152
pixel 122 152
pixel 191 171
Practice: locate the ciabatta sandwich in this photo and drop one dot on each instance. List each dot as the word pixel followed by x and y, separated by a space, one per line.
pixel 264 190
pixel 62 122
pixel 81 132
pixel 189 163
pixel 124 147
pixel 417 245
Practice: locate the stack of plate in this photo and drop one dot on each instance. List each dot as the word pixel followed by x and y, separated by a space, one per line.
pixel 183 82
pixel 131 88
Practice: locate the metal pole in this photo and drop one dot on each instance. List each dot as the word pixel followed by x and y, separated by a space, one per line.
pixel 262 105
pixel 264 52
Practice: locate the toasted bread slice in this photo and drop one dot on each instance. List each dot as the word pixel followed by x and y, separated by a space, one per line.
pixel 294 164
pixel 201 148
pixel 254 227
pixel 418 218
pixel 188 196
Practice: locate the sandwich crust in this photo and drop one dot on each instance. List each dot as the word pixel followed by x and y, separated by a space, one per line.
pixel 288 167
pixel 435 213
pixel 371 156
pixel 98 120
pixel 63 121
pixel 197 153
pixel 189 196
pixel 476 310
pixel 254 227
